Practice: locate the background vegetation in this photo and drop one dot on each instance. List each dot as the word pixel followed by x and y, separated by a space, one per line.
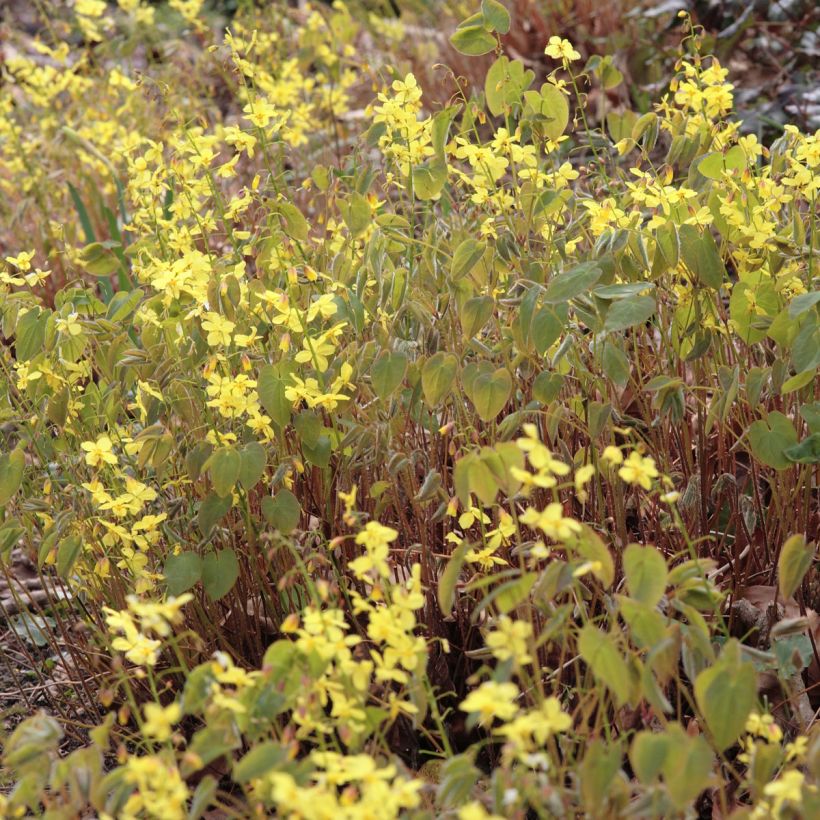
pixel 409 409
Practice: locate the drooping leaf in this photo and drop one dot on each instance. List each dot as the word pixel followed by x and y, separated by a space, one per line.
pixel 466 257
pixel 446 592
pixel 700 254
pixel 796 556
pixel 68 551
pixel 12 466
pixel 806 452
pixel 601 652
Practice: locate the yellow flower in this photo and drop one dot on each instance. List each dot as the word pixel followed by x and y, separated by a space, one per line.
pixel 551 521
pixel 99 451
pixel 492 700
pixel 638 469
pixel 22 261
pixel 787 789
pixel 509 640
pixel 159 720
pixel 612 455
pixel 219 329
pixel 69 324
pixel 560 49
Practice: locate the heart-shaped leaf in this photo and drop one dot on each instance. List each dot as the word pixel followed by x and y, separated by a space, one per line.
pixel 224 465
pixel 219 573
pixel 490 392
pixel 726 693
pixel 252 464
pixel 282 511
pixel 388 373
pixel 770 439
pixel 437 376
pixel 807 452
pixel 182 571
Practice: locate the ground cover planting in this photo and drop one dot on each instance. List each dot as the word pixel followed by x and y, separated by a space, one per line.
pixel 381 439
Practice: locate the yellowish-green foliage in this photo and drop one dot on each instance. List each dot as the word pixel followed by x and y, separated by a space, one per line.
pixel 403 459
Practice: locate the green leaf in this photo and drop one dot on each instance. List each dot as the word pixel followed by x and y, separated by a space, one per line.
pixel 590 546
pixel 356 213
pixel 253 461
pixel 713 165
pixel 296 225
pixel 647 755
pixel 182 571
pixel 496 17
pixel 11 474
pixel 261 759
pixel 687 766
pixel 123 304
pixel 807 452
pixel 219 573
pixel 472 475
pixel 473 40
pixel 646 573
pixel 491 392
pixel 700 254
pixel 549 109
pixel 596 772
pixel 504 84
pixel 224 466
pixel 282 511
pixel 429 179
pixel 615 363
pixel 211 509
pixel 466 257
pixel 601 653
pixel 437 377
pixel 30 334
pixel 68 552
pixel 10 532
pixel 569 284
pixel 545 329
pixel 770 439
pixel 726 693
pixel 457 780
pixel 796 556
pixel 628 312
pixel 271 390
pixel 475 314
pixel 547 386
pixel 802 303
pixel 446 592
pixel 99 259
pixel 388 373
pixel 57 407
